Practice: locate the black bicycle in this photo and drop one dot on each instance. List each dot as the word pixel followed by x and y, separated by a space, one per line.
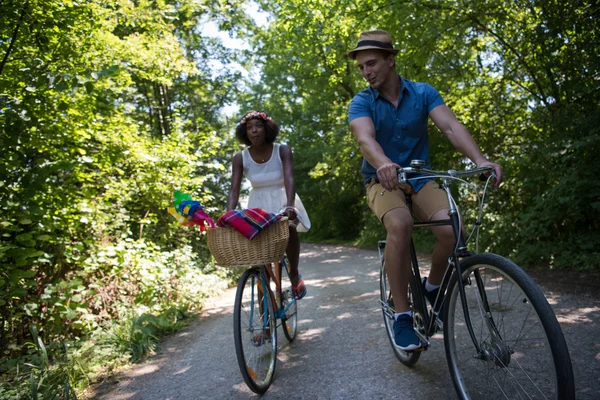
pixel 501 336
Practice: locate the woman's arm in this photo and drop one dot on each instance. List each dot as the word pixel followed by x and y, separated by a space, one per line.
pixel 287 160
pixel 237 170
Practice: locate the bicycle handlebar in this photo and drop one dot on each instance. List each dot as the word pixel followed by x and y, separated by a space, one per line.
pixel 403 172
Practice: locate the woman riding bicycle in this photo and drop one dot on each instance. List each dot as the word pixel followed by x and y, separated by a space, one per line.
pixel 269 168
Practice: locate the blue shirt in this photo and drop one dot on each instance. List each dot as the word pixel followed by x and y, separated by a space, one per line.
pixel 400 131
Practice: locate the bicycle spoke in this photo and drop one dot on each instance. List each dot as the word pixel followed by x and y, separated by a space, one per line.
pixel 254 333
pixel 515 358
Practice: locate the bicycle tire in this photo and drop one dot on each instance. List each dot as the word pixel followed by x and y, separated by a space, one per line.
pixel 289 322
pixel 256 359
pixel 407 358
pixel 523 350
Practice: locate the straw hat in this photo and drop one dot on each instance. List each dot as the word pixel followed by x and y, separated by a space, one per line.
pixel 373 40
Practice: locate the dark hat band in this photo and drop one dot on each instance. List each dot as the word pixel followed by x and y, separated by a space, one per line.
pixel 376 43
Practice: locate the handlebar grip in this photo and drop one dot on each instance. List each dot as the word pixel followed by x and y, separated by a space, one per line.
pixel 483 177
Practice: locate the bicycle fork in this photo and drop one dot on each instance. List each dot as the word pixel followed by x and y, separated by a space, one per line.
pixel 260 284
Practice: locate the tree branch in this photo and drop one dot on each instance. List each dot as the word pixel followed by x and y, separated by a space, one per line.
pixel 542 94
pixel 14 37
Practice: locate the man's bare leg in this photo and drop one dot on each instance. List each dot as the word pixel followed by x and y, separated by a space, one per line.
pixel 442 250
pixel 398 224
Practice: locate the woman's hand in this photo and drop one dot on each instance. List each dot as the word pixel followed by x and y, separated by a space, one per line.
pixel 290 211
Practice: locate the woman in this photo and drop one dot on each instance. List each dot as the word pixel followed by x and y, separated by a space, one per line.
pixel 269 167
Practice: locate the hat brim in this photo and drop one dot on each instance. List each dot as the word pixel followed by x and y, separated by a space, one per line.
pixel 352 54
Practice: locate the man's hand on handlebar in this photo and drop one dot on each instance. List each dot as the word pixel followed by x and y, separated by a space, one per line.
pixel 388 176
pixel 497 170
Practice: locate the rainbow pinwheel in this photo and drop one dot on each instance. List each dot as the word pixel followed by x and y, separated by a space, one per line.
pixel 189 212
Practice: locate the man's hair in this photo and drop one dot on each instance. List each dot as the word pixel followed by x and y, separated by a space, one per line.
pixel 271 131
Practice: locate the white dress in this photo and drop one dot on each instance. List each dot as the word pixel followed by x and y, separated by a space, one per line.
pixel 268 189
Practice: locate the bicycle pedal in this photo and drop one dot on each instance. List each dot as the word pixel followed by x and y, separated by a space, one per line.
pixel 420 349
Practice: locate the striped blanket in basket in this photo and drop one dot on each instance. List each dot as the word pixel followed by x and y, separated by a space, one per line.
pixel 249 222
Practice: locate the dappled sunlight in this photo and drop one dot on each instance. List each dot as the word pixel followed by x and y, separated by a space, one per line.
pixel 172 350
pixel 209 312
pixel 374 274
pixel 363 297
pixel 242 388
pixel 327 307
pixel 182 370
pixel 552 299
pixel 343 297
pixel 143 370
pixel 123 396
pixel 577 315
pixel 332 261
pixel 311 334
pixel 319 250
pixel 309 254
pixel 292 361
pixel 334 280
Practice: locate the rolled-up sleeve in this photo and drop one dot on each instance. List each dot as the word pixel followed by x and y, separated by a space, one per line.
pixel 434 98
pixel 359 107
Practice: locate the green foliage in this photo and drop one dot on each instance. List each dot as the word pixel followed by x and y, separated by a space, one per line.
pixel 521 76
pixel 105 108
pixel 36 377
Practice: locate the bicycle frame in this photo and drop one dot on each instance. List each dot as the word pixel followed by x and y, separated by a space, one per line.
pixel 460 251
pixel 266 274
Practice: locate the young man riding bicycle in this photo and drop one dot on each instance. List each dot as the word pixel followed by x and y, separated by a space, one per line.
pixel 389 122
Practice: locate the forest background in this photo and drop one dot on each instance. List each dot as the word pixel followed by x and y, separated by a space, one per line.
pixel 107 105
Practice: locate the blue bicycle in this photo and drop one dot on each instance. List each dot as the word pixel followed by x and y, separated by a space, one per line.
pixel 264 301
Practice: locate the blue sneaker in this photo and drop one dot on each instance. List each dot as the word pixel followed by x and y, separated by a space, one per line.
pixel 404 334
pixel 431 296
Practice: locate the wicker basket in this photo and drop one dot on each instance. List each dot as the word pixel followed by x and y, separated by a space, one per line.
pixel 231 249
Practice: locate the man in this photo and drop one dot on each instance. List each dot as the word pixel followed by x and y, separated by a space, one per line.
pixel 389 122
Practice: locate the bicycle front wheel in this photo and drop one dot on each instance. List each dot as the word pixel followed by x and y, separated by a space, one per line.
pixel 523 353
pixel 255 331
pixel 408 358
pixel 287 303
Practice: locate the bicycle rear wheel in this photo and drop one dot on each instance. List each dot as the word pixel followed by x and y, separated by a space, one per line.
pixel 255 331
pixel 523 351
pixel 289 321
pixel 408 358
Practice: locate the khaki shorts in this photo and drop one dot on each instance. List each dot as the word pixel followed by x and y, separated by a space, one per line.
pixel 426 202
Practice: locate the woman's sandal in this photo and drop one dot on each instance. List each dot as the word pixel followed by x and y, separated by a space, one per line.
pixel 260 338
pixel 299 289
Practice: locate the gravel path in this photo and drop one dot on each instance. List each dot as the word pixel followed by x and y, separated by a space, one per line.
pixel 341 351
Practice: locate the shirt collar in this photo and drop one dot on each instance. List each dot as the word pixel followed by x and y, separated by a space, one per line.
pixel 404 87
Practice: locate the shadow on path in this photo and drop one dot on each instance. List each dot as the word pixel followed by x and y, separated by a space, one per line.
pixel 341 351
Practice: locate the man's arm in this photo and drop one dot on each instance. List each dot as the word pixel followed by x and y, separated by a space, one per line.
pixel 461 139
pixel 364 133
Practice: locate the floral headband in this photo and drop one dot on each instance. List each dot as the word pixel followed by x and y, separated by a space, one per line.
pixel 255 114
